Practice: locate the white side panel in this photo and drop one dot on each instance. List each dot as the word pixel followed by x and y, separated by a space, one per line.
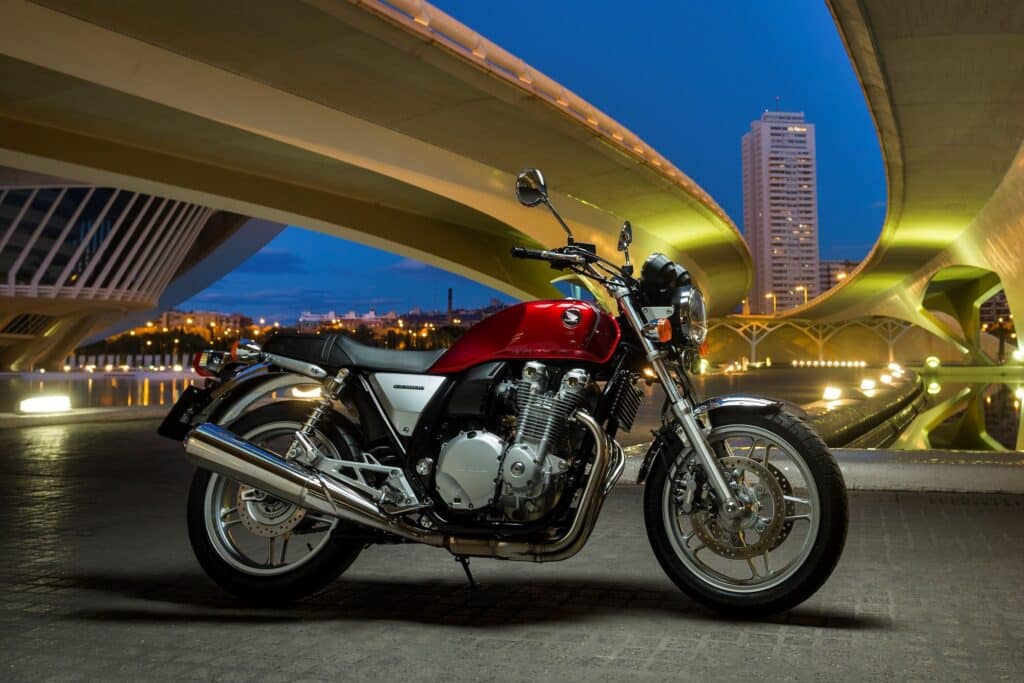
pixel 404 397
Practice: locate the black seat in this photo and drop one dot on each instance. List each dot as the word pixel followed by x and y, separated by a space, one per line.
pixel 333 351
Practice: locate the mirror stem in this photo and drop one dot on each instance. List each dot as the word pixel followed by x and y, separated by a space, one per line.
pixel 560 221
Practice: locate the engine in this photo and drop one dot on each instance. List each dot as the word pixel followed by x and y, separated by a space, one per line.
pixel 521 477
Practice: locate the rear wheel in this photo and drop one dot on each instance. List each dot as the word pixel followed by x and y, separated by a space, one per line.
pixel 792 532
pixel 259 547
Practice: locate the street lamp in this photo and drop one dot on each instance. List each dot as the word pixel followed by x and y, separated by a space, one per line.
pixel 801 288
pixel 775 301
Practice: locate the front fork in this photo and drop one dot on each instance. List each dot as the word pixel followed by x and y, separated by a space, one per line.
pixel 682 410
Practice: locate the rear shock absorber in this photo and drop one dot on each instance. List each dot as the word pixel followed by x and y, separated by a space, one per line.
pixel 302 449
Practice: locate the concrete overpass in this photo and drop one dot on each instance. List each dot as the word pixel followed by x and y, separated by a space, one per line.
pixel 387 123
pixel 945 85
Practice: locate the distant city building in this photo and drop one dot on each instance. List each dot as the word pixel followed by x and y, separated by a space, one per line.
pixel 412 320
pixel 831 273
pixel 995 308
pixel 780 210
pixel 205 323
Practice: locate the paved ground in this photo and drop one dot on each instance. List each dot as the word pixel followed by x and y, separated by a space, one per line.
pixel 97 583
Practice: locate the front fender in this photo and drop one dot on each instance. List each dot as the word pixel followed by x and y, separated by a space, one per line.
pixel 667 440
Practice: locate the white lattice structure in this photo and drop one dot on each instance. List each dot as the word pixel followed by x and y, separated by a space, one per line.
pixel 72 256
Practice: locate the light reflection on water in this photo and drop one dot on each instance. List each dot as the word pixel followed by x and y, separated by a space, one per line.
pixel 958 415
pixel 968 416
pixel 98 390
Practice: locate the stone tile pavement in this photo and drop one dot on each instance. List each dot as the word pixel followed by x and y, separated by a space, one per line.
pixel 97 582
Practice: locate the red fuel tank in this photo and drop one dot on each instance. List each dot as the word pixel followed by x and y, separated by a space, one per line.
pixel 565 329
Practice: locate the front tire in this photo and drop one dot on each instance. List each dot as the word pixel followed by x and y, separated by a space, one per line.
pixel 228 523
pixel 784 556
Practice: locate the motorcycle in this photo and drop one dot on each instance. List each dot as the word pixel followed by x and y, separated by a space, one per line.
pixel 312 448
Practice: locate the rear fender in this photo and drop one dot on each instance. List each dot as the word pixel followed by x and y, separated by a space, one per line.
pixel 237 395
pixel 668 443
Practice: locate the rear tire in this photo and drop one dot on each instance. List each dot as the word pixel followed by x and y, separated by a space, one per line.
pixel 820 555
pixel 333 554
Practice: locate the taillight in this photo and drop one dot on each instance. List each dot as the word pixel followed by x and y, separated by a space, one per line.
pixel 208 363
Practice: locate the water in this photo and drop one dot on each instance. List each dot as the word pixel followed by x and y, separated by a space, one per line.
pixel 962 413
pixel 967 415
pixel 97 390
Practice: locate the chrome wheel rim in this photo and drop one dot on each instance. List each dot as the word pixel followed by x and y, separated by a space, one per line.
pixel 799 515
pixel 257 534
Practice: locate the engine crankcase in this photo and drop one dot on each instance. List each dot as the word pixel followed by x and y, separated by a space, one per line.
pixel 467 470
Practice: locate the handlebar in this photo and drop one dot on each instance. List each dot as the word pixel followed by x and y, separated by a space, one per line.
pixel 545 255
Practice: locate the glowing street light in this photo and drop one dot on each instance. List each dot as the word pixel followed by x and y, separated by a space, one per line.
pixel 45 404
pixel 775 301
pixel 802 288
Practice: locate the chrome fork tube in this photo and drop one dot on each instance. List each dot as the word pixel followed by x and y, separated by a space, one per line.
pixel 682 410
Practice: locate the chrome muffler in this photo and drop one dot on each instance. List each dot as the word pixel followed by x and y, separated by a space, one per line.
pixel 214 448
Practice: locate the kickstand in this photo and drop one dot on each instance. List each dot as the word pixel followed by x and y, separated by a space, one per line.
pixel 464 561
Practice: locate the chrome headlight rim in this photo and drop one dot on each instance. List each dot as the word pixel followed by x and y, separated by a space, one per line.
pixel 691 315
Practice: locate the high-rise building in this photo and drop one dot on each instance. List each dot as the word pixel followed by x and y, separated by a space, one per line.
pixel 780 210
pixel 831 273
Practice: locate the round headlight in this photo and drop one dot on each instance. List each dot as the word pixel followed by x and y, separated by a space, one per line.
pixel 691 315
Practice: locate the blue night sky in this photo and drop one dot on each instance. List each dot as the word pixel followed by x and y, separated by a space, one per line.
pixel 688 77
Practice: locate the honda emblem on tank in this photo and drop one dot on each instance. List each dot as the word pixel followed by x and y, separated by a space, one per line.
pixel 571 317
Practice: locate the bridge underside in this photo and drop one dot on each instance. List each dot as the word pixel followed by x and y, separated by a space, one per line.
pixel 349 118
pixel 945 85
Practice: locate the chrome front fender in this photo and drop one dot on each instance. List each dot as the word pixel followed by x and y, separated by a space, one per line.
pixel 668 441
pixel 755 404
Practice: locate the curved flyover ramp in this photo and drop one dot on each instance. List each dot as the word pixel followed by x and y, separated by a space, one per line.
pixel 387 123
pixel 945 85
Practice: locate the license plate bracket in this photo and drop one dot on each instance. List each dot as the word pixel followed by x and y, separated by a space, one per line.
pixel 177 424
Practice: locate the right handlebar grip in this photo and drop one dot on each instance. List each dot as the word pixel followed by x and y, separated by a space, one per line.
pixel 523 252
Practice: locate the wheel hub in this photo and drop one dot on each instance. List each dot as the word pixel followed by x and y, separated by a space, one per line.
pixel 748 533
pixel 266 516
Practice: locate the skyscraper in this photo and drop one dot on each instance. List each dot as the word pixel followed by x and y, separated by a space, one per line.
pixel 780 210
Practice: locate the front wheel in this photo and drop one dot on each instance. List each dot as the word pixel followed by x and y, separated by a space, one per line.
pixel 787 541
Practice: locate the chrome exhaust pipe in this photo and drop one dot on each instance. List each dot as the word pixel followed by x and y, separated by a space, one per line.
pixel 214 448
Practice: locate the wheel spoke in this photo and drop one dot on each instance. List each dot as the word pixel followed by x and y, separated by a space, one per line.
pixel 796 518
pixel 224 514
pixel 227 524
pixel 276 551
pixel 767 566
pixel 753 569
pixel 795 500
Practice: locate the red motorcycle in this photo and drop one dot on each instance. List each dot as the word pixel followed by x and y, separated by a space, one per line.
pixel 503 446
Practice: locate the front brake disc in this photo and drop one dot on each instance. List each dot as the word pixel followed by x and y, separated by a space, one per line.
pixel 735 544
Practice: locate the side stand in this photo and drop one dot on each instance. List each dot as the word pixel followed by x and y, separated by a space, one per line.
pixel 464 561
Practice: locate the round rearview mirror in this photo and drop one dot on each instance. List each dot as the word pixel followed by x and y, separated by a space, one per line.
pixel 530 188
pixel 625 236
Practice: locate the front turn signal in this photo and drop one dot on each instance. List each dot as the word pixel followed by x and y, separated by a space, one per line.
pixel 664 330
